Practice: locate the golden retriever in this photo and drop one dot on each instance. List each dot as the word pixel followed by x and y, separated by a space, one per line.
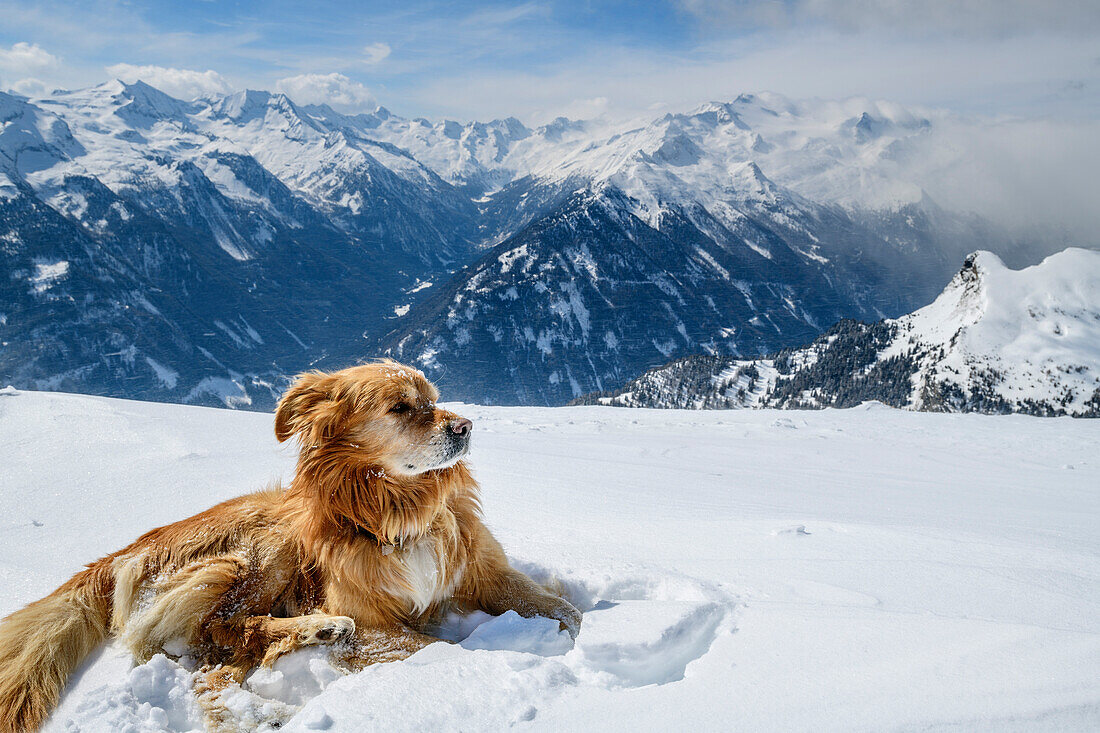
pixel 378 532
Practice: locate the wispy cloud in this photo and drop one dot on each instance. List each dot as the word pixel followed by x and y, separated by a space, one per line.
pixel 333 89
pixel 374 53
pixel 1036 177
pixel 180 83
pixel 991 76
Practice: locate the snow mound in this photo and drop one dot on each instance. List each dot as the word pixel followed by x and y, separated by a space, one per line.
pixel 499 672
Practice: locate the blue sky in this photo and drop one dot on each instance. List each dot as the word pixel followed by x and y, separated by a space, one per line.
pixel 542 58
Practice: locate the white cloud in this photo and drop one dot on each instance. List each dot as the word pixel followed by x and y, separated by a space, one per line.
pixel 1025 76
pixel 375 52
pixel 30 87
pixel 26 58
pixel 584 108
pixel 179 83
pixel 333 89
pixel 1037 177
pixel 20 66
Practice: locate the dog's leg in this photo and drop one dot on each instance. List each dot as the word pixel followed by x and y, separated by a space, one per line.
pixel 273 637
pixel 263 639
pixel 492 585
pixel 289 634
pixel 375 645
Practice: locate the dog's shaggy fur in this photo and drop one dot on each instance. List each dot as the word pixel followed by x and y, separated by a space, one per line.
pixel 378 532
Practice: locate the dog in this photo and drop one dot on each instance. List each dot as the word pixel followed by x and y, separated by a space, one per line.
pixel 378 533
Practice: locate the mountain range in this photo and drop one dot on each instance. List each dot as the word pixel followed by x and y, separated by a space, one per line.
pixel 996 340
pixel 203 251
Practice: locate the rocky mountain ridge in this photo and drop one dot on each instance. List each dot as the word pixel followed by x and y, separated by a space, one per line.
pixel 996 341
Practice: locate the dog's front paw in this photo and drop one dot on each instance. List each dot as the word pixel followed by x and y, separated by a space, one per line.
pixel 326 630
pixel 570 618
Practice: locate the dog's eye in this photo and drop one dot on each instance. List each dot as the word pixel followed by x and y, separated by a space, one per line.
pixel 400 407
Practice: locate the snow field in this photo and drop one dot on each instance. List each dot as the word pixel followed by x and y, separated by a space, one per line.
pixel 866 569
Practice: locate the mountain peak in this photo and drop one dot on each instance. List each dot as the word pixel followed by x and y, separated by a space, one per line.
pixel 718 113
pixel 983 259
pixel 750 180
pixel 251 104
pixel 996 340
pixel 677 149
pixel 242 104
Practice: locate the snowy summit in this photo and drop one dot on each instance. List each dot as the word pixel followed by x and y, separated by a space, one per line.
pixel 996 340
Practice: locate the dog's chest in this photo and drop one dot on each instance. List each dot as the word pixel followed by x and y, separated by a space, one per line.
pixel 425 578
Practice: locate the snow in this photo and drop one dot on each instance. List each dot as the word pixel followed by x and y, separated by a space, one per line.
pixel 167 375
pixel 46 274
pixel 865 569
pixel 227 389
pixel 1039 327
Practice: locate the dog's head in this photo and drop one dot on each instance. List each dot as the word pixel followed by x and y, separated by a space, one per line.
pixel 382 414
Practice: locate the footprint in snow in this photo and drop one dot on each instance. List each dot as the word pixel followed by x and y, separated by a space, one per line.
pixel 799 530
pixel 642 629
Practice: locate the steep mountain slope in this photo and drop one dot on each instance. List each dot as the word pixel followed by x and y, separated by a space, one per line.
pixel 182 267
pixel 996 340
pixel 166 287
pixel 586 295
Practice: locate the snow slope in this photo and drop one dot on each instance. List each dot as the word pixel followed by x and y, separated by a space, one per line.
pixel 863 569
pixel 1038 328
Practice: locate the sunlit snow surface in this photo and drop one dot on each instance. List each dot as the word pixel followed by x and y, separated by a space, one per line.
pixel 867 569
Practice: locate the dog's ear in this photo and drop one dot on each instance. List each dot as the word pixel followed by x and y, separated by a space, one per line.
pixel 308 409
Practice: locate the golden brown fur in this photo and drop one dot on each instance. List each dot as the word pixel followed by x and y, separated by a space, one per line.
pixel 378 532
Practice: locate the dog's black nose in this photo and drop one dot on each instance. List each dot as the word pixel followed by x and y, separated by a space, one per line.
pixel 461 426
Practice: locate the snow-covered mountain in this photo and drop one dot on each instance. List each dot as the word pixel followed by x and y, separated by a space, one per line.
pixel 589 293
pixel 669 239
pixel 996 340
pixel 202 250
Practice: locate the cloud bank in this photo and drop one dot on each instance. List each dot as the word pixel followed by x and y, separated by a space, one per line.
pixel 334 89
pixel 180 83
pixel 22 63
pixel 1024 73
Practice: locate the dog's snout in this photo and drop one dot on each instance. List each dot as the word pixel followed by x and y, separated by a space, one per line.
pixel 460 427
